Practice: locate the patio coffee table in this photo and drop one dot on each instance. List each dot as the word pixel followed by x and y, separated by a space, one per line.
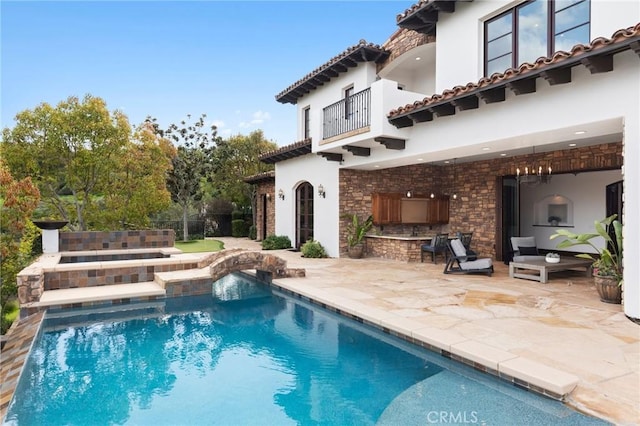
pixel 543 268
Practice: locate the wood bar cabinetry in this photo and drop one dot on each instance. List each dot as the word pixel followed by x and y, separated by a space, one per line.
pixel 394 208
pixel 386 208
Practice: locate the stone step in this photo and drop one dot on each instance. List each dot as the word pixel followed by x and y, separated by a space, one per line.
pixel 105 293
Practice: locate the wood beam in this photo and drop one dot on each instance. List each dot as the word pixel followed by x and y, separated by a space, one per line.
pixel 493 95
pixel 521 87
pixel 358 151
pixel 400 122
pixel 443 110
pixel 468 102
pixel 598 64
pixel 557 76
pixel 331 156
pixel 391 143
pixel 421 116
pixel 445 6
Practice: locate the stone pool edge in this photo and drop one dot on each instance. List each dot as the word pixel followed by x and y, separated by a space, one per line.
pixel 519 371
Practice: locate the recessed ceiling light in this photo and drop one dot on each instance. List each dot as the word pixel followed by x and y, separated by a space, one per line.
pixel 420 159
pixel 446 161
pixel 418 58
pixel 572 144
pixel 580 132
pixel 503 155
pixel 486 148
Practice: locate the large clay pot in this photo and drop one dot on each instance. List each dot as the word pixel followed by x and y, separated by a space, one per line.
pixel 355 252
pixel 608 289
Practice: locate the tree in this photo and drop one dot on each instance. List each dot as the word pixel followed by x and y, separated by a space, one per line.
pixel 72 148
pixel 137 185
pixel 18 200
pixel 235 159
pixel 196 144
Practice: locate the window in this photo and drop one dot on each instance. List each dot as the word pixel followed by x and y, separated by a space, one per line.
pixel 306 128
pixel 348 102
pixel 534 29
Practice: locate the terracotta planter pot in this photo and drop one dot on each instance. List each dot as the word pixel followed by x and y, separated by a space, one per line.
pixel 608 289
pixel 355 252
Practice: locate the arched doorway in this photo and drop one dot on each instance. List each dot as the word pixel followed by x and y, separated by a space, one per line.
pixel 304 213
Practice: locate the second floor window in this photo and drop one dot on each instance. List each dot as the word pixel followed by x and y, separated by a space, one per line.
pixel 534 29
pixel 306 128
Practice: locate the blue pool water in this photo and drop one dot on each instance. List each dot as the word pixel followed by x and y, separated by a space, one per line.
pixel 249 355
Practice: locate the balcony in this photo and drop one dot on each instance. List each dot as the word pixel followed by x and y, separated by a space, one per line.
pixel 347 115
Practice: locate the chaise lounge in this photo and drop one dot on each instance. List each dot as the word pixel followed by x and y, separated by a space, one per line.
pixel 459 261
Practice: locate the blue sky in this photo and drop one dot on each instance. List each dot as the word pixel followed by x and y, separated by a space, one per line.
pixel 227 59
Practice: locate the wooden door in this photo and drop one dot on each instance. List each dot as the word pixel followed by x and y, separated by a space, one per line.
pixel 304 214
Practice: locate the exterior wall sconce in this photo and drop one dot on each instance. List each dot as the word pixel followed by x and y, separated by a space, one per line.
pixel 281 194
pixel 268 196
pixel 321 191
pixel 408 194
pixel 432 195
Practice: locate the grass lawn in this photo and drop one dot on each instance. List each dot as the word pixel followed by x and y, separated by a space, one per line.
pixel 9 314
pixel 198 246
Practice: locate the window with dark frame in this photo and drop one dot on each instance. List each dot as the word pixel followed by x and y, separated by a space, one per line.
pixel 348 102
pixel 533 29
pixel 306 122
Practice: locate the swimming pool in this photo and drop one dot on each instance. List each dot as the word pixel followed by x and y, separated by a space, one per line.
pixel 248 354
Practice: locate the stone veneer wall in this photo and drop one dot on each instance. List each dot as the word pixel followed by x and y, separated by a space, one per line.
pixel 116 240
pixel 100 275
pixel 401 42
pixel 266 188
pixel 475 183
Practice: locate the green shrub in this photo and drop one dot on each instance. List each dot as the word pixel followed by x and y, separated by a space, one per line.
pixel 10 312
pixel 253 232
pixel 276 242
pixel 237 214
pixel 239 228
pixel 313 249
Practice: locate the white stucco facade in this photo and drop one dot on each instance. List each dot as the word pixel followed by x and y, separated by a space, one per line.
pixel 605 106
pixel 317 171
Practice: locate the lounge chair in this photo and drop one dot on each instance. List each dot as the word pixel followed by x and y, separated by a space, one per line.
pixel 438 245
pixel 525 249
pixel 465 237
pixel 459 261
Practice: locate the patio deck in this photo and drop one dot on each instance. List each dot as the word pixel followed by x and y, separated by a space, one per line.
pixel 561 324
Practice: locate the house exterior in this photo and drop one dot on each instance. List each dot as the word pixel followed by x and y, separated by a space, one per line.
pixel 452 111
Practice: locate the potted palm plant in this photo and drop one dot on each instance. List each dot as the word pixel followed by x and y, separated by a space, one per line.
pixel 607 267
pixel 356 230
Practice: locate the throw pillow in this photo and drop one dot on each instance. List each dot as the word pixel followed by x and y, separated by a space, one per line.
pixel 528 251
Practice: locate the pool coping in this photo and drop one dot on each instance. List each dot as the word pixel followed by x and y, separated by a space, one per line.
pixel 519 371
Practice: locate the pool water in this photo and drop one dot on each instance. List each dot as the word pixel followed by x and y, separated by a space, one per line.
pixel 250 355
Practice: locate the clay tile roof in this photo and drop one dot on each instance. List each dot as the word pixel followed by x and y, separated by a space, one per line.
pixel 261 177
pixel 620 40
pixel 287 152
pixel 423 16
pixel 361 52
pixel 413 9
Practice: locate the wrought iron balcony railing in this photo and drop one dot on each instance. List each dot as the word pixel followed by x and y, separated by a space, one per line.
pixel 346 115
